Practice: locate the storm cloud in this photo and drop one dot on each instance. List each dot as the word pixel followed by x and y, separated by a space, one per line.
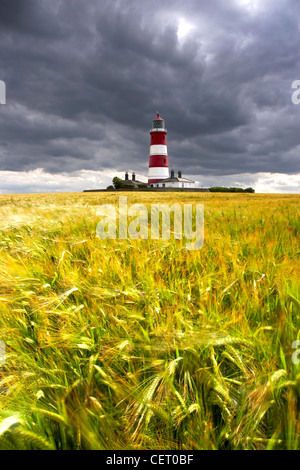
pixel 84 79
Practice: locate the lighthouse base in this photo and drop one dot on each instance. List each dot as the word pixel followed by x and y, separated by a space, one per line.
pixel 156 174
pixel 154 181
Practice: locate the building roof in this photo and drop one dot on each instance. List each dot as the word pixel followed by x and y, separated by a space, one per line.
pixel 158 117
pixel 133 183
pixel 176 180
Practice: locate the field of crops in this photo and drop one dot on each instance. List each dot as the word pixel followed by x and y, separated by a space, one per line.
pixel 142 344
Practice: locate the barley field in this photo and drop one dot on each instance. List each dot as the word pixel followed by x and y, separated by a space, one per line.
pixel 142 344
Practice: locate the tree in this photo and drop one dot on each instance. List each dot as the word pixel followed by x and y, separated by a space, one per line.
pixel 118 183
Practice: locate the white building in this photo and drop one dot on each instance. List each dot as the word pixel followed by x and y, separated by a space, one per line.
pixel 174 182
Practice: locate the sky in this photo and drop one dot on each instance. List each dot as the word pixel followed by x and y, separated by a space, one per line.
pixel 85 78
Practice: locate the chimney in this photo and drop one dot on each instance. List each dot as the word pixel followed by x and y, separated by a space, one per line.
pixel 126 176
pixel 133 176
pixel 172 173
pixel 179 174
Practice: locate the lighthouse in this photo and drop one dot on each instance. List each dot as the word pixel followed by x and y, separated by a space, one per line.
pixel 158 161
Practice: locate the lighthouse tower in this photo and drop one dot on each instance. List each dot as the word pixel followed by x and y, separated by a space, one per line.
pixel 158 162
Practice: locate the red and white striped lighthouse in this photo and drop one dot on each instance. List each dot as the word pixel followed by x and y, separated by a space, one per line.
pixel 158 162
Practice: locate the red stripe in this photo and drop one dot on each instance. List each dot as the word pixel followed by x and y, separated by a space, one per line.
pixel 158 160
pixel 155 181
pixel 158 138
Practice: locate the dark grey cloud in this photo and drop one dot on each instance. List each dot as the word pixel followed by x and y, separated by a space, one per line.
pixel 84 80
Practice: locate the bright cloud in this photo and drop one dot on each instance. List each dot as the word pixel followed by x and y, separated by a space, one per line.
pixel 39 181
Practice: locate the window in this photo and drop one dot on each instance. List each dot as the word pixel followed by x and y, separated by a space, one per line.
pixel 158 124
pixel 164 185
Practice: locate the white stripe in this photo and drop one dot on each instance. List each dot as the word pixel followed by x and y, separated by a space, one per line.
pixel 158 172
pixel 159 130
pixel 158 150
